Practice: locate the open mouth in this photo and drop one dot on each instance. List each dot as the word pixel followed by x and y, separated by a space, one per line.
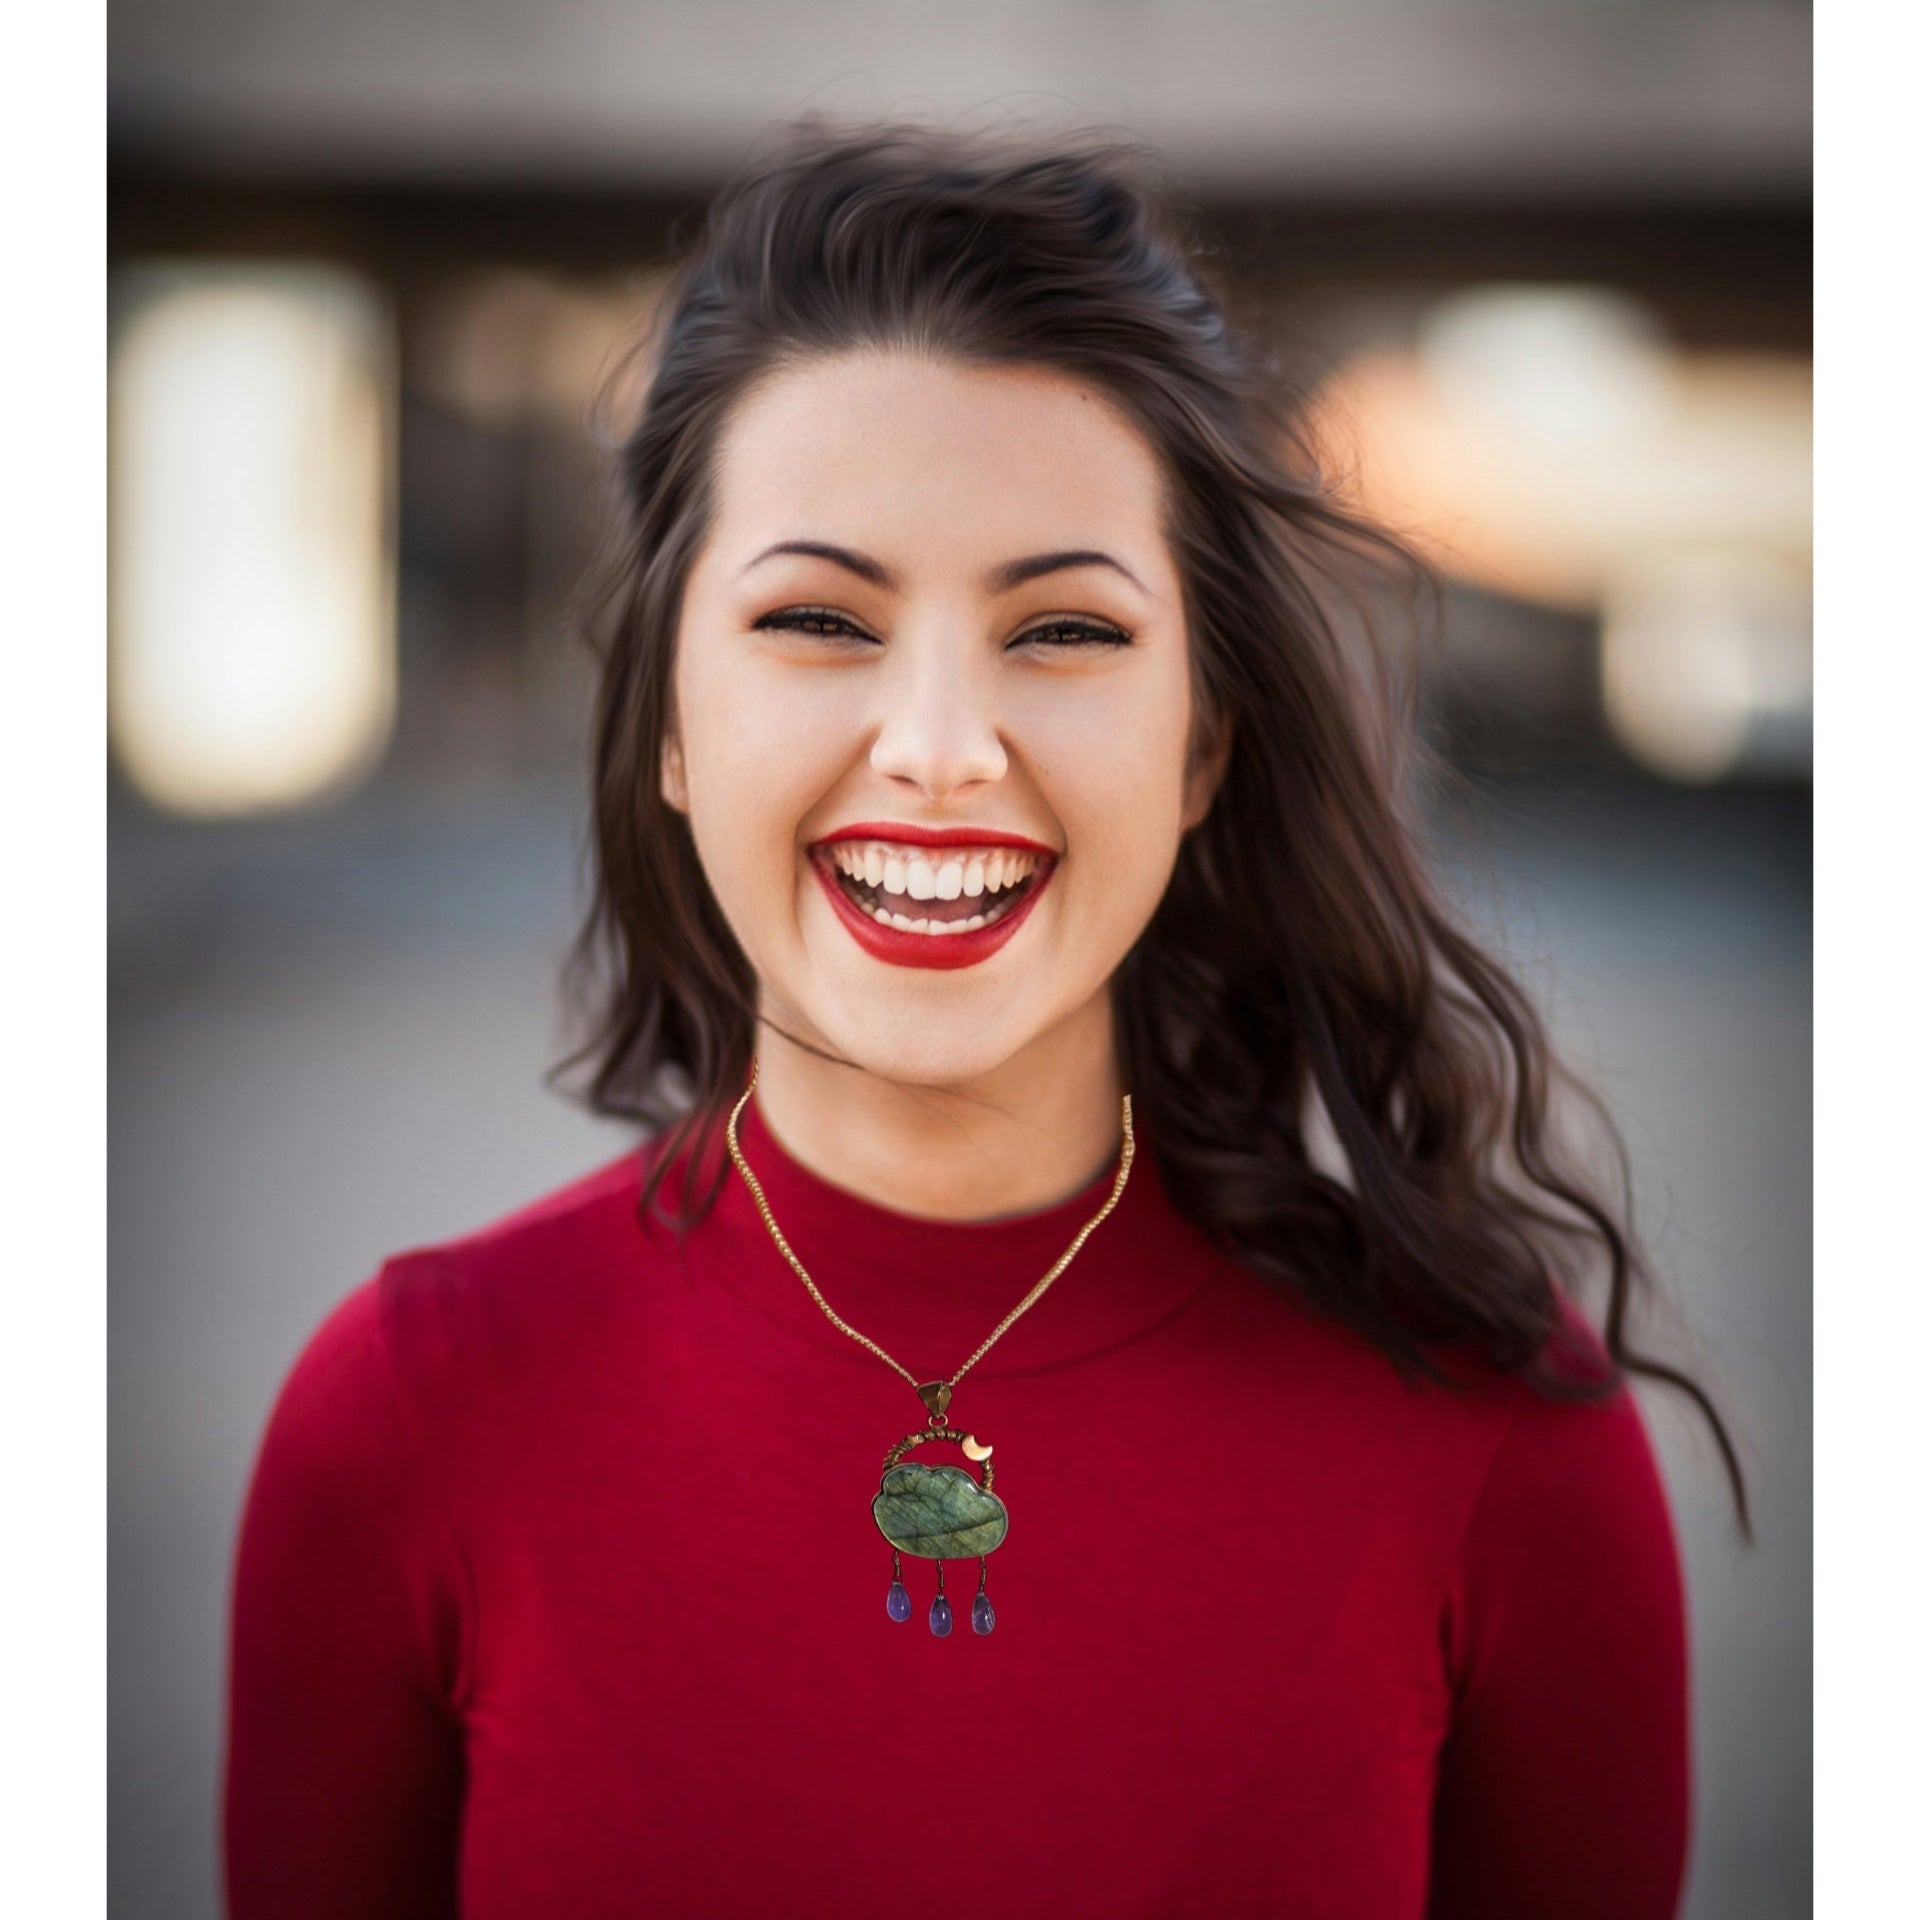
pixel 933 890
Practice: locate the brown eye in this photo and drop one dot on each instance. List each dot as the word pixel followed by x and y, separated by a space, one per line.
pixel 1075 633
pixel 822 621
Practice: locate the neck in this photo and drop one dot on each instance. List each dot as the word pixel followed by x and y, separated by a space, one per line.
pixel 1026 1134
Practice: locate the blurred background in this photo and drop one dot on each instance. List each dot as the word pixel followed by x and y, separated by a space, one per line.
pixel 1545 266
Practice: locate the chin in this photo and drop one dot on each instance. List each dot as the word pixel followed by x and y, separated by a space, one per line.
pixel 928 1059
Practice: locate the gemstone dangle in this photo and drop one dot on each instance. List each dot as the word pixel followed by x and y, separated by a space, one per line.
pixel 899 1604
pixel 939 1513
pixel 982 1606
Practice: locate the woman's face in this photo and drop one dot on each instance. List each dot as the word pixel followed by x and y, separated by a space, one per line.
pixel 960 662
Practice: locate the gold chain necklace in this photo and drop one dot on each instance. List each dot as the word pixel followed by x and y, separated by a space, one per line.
pixel 938 1513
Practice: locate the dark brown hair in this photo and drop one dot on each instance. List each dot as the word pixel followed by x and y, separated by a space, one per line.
pixel 1301 956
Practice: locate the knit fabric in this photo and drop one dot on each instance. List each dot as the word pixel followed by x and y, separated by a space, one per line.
pixel 559 1591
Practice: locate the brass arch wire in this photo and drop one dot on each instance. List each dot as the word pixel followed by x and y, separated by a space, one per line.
pixel 1059 1266
pixel 901 1448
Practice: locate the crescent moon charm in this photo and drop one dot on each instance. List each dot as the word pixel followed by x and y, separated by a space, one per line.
pixel 973 1449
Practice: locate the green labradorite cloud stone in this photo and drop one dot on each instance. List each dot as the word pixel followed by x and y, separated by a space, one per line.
pixel 940 1513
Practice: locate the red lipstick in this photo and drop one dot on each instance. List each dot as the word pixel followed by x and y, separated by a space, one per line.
pixel 933 836
pixel 944 950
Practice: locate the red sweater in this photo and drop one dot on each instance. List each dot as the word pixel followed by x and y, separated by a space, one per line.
pixel 559 1592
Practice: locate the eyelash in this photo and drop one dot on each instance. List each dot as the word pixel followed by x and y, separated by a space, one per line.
pixel 1094 633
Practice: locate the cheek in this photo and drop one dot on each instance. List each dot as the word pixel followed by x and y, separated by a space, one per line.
pixel 751 780
pixel 1116 782
pixel 727 710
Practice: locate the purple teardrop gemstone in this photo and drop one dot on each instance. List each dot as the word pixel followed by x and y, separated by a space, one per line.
pixel 940 1617
pixel 982 1614
pixel 899 1607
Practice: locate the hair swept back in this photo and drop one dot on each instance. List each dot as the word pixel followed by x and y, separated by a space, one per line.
pixel 1301 957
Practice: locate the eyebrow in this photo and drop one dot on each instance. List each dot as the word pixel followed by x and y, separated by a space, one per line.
pixel 1002 579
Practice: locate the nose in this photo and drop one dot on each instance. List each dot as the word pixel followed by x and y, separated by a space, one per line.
pixel 938 729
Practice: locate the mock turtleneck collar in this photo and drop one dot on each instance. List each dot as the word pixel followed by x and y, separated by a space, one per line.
pixel 929 1291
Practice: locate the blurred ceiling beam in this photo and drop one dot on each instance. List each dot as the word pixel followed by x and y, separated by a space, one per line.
pixel 1512 99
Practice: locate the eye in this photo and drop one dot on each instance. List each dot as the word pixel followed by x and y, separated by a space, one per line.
pixel 828 625
pixel 822 621
pixel 1076 633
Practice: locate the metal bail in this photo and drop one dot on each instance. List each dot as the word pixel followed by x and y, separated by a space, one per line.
pixel 935 1396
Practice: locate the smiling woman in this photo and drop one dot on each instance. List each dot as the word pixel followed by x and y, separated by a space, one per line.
pixel 1006 885
pixel 1004 656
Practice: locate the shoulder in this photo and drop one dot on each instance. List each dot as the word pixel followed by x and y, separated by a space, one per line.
pixel 1576 1478
pixel 464 1317
pixel 1583 1456
pixel 337 1412
pixel 1478 1456
pixel 500 1295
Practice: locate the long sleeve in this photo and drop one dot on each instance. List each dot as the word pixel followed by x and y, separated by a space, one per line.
pixel 1565 1779
pixel 343 1763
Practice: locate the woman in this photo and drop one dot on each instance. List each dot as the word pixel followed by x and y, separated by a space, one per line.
pixel 1019 949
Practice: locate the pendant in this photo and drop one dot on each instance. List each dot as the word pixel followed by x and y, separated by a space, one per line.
pixel 939 1514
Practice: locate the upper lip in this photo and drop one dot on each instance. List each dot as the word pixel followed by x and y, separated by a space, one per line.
pixel 900 830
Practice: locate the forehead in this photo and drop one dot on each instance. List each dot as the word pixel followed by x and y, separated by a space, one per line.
pixel 918 454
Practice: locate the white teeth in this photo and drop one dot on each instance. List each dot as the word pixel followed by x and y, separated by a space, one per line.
pixel 909 874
